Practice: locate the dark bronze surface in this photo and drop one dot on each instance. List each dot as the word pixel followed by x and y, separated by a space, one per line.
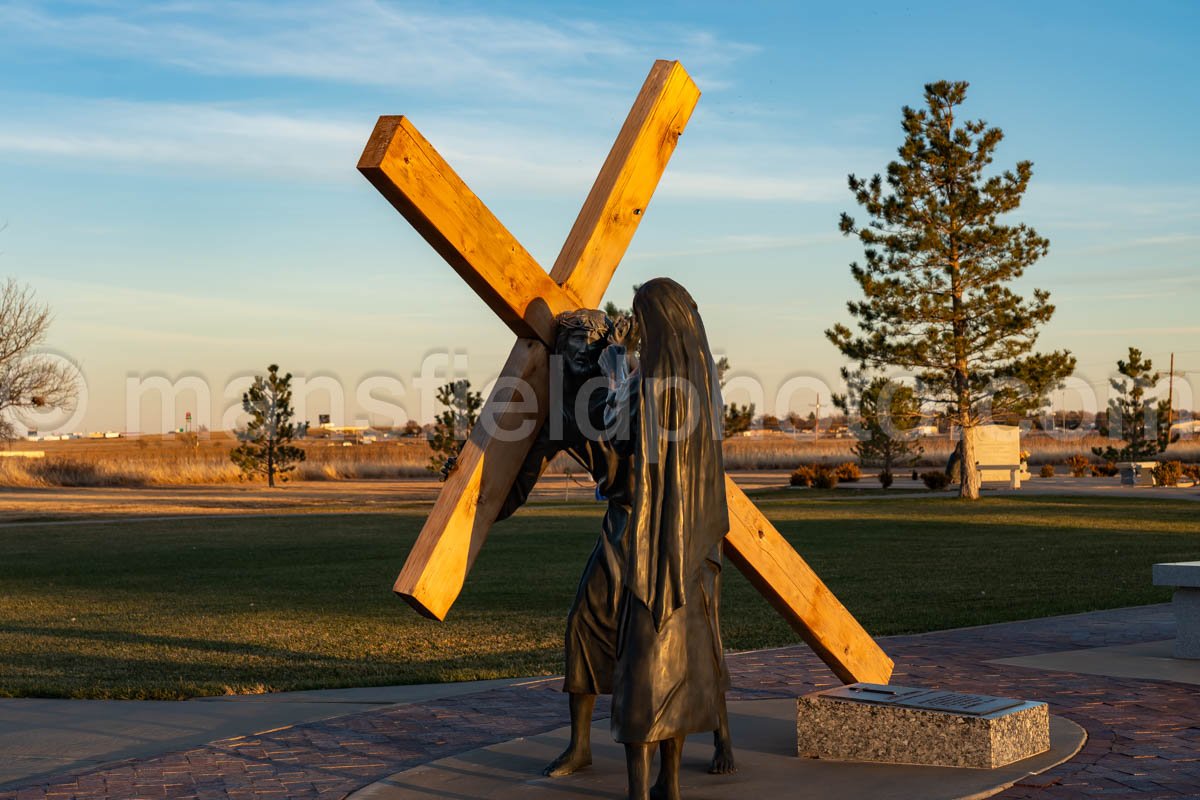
pixel 644 624
pixel 670 670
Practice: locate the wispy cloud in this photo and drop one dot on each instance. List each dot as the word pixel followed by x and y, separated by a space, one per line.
pixel 504 97
pixel 231 139
pixel 182 135
pixel 365 42
pixel 1139 243
pixel 753 186
pixel 738 244
pixel 1097 206
pixel 1166 330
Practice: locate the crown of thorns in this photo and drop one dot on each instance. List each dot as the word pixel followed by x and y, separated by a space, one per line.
pixel 584 319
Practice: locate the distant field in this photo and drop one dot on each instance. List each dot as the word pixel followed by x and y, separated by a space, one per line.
pixel 168 609
pixel 168 460
pixel 164 461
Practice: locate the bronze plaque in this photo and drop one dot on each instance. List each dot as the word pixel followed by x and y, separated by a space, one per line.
pixel 975 705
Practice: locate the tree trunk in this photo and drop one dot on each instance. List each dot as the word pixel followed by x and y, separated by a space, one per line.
pixel 271 464
pixel 968 486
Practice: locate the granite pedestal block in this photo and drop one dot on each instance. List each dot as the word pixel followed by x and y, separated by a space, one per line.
pixel 1185 577
pixel 898 725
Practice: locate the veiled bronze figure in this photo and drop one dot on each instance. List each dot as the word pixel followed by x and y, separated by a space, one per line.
pixel 596 423
pixel 670 675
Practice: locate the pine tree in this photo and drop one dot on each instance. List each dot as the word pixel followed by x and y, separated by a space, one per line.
pixel 737 419
pixel 1138 420
pixel 937 261
pixel 266 447
pixel 886 412
pixel 451 427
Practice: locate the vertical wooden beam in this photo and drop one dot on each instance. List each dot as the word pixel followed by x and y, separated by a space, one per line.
pixel 618 200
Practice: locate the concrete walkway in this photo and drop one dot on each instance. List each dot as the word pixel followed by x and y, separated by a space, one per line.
pixel 765 732
pixel 46 737
pixel 1143 730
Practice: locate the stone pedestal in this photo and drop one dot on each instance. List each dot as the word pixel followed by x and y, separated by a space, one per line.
pixel 898 725
pixel 1185 577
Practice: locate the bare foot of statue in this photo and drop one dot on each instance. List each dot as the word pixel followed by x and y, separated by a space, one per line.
pixel 570 761
pixel 579 752
pixel 722 762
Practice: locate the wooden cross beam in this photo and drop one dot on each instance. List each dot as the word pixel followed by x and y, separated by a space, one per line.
pixel 406 169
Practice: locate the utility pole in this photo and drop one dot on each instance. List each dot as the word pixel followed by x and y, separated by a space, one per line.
pixel 1171 396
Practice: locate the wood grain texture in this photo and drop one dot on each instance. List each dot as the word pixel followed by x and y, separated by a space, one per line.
pixel 405 168
pixel 445 550
pixel 617 202
pixel 436 568
pixel 775 568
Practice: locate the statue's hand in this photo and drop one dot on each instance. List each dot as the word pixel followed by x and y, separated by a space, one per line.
pixel 622 383
pixel 623 331
pixel 613 364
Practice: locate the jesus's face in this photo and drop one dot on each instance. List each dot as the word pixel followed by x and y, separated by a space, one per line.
pixel 576 350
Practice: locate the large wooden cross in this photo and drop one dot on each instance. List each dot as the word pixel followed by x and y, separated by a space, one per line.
pixel 406 169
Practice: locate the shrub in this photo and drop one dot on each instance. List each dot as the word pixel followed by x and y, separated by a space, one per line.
pixel 848 472
pixel 1168 473
pixel 1192 471
pixel 825 478
pixel 1079 465
pixel 1106 470
pixel 803 475
pixel 885 479
pixel 1047 471
pixel 935 481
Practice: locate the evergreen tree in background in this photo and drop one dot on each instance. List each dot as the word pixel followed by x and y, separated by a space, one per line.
pixel 737 419
pixel 937 261
pixel 1138 420
pixel 266 447
pixel 451 427
pixel 886 412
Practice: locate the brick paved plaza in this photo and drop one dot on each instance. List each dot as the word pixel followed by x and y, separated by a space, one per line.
pixel 1143 735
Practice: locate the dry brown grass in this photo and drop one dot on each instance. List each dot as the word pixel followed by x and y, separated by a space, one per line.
pixel 167 461
pixel 331 462
pixel 784 451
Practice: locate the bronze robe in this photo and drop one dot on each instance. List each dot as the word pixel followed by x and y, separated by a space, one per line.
pixel 591 638
pixel 670 671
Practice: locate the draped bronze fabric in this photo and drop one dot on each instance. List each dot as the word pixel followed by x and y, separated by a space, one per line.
pixel 670 667
pixel 591 637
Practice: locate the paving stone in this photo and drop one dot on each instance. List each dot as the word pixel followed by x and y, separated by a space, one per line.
pixel 1144 736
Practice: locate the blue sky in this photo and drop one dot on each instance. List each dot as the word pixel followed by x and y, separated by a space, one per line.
pixel 178 183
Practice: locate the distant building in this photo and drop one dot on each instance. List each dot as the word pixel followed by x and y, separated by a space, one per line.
pixel 1185 429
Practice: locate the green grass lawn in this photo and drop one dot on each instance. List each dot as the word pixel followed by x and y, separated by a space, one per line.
pixel 207 606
